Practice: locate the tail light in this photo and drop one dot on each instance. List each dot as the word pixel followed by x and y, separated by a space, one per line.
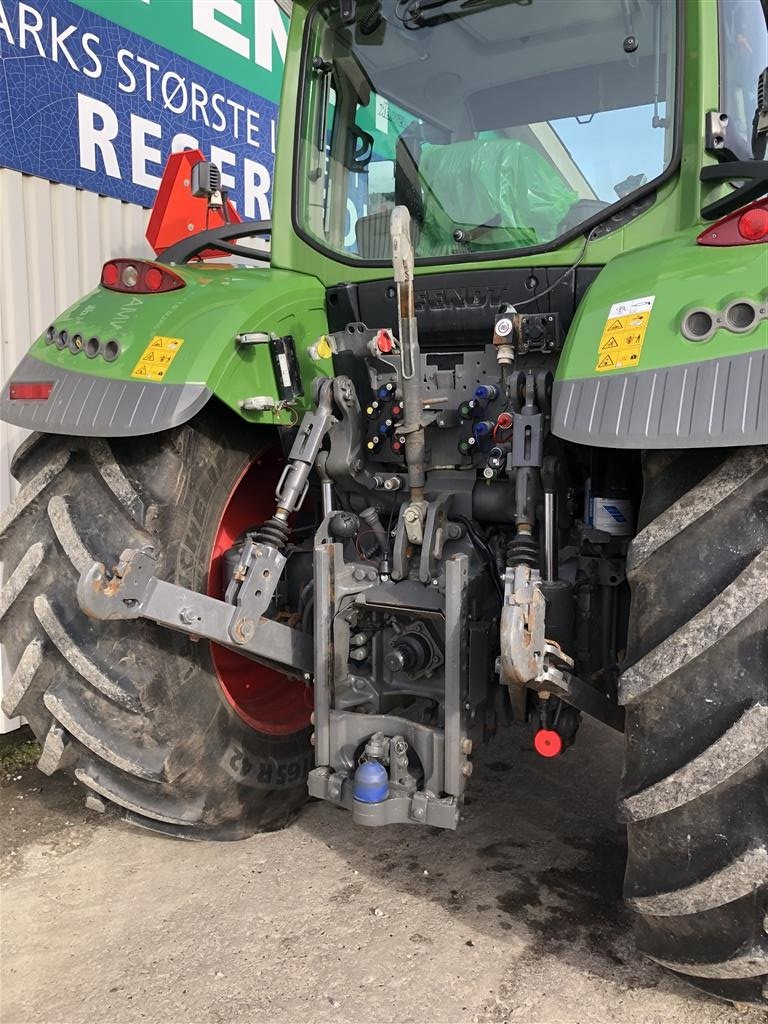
pixel 743 227
pixel 139 277
pixel 30 391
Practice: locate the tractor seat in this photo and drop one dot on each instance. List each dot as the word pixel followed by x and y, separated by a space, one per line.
pixel 372 234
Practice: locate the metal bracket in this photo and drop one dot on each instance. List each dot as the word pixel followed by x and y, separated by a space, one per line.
pixel 345 464
pixel 529 660
pixel 255 579
pixel 420 808
pixel 580 695
pixel 134 591
pixel 443 753
pixel 434 538
pixel 522 626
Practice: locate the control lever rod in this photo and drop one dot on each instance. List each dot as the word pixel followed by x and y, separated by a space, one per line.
pixel 413 419
pixel 549 474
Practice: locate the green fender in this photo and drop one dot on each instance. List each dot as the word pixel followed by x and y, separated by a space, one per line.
pixel 634 375
pixel 176 349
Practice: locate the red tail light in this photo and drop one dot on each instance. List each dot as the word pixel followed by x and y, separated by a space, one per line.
pixel 29 390
pixel 744 227
pixel 139 277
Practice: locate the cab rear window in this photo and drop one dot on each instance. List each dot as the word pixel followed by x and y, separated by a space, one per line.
pixel 743 57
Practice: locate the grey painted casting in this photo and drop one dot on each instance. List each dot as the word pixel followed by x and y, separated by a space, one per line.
pixel 718 402
pixel 88 406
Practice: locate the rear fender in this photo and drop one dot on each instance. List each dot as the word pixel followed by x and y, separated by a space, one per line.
pixel 629 377
pixel 174 350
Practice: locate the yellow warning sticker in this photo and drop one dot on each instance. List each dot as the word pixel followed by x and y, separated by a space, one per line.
pixel 624 333
pixel 156 358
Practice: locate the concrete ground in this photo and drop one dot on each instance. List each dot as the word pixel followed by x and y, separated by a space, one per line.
pixel 517 918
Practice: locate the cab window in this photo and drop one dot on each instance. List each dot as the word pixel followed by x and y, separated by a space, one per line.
pixel 743 56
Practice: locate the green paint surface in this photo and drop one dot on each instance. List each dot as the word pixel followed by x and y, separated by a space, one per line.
pixel 216 305
pixel 681 276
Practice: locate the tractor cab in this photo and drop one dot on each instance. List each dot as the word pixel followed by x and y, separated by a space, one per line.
pixel 504 128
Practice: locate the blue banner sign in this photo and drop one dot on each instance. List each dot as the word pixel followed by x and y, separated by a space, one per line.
pixel 87 102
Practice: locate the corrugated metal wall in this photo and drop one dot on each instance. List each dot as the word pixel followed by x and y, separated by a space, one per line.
pixel 53 242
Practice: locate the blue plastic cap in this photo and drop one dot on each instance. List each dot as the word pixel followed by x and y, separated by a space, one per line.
pixel 371 783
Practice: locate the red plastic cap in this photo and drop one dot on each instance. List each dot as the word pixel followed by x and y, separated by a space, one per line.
pixel 548 743
pixel 384 342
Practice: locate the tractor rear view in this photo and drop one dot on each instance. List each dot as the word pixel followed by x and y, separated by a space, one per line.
pixel 486 442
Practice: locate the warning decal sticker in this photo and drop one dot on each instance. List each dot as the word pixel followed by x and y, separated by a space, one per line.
pixel 622 339
pixel 156 358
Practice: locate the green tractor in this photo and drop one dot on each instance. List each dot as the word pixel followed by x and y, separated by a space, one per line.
pixel 485 442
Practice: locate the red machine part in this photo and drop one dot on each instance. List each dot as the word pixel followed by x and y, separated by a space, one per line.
pixel 384 342
pixel 548 743
pixel 176 213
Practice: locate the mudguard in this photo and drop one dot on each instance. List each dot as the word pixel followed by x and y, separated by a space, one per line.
pixel 629 377
pixel 172 351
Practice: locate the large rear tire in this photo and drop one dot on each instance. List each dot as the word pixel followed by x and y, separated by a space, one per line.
pixel 695 786
pixel 185 740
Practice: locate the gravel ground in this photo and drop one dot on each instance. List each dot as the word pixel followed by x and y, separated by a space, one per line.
pixel 517 917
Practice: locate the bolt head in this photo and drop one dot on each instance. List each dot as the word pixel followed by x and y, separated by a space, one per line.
pixel 467 769
pixel 243 630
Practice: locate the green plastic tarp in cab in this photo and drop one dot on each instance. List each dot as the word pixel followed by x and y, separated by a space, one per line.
pixel 484 181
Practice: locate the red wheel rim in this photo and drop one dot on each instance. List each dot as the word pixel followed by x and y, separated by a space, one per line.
pixel 265 699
